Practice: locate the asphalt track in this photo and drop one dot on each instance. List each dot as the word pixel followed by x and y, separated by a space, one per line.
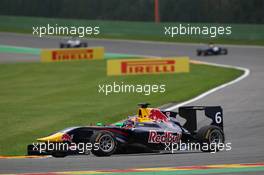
pixel 243 105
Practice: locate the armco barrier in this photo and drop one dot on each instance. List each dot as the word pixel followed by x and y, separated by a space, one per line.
pixel 148 66
pixel 58 55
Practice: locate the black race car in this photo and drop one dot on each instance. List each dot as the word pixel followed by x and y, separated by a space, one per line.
pixel 151 130
pixel 212 50
pixel 73 43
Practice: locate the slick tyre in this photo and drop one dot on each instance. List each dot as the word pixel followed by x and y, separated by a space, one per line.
pixel 210 137
pixel 59 155
pixel 83 45
pixel 105 143
pixel 204 53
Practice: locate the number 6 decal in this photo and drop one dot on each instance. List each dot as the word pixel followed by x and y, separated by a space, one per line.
pixel 218 117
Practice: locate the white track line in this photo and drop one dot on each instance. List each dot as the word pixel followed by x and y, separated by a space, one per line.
pixel 246 73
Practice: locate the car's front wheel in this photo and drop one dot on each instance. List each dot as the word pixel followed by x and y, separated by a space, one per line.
pixel 104 143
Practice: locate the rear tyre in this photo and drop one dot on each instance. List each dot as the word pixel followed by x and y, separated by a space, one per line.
pixel 106 143
pixel 59 155
pixel 212 136
pixel 83 44
pixel 204 53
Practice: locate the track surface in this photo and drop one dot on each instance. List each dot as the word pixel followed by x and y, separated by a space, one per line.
pixel 243 105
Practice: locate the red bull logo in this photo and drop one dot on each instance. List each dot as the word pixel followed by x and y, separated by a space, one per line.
pixel 67 138
pixel 157 115
pixel 167 137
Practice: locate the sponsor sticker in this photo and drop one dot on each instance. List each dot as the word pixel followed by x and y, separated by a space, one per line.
pixel 166 137
pixel 147 66
pixel 157 115
pixel 67 138
pixel 58 55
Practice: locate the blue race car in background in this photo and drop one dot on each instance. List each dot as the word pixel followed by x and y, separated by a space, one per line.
pixel 212 50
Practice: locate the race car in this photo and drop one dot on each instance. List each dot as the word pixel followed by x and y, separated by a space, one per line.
pixel 151 130
pixel 73 43
pixel 212 50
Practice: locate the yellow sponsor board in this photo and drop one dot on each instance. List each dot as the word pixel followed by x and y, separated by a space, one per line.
pixel 148 66
pixel 73 54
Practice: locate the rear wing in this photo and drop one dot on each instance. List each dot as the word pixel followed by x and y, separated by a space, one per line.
pixel 215 113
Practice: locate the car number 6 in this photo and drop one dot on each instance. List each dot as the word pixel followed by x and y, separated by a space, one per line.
pixel 218 118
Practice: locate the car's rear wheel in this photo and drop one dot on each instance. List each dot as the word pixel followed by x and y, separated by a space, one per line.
pixel 210 137
pixel 204 53
pixel 59 154
pixel 105 143
pixel 83 44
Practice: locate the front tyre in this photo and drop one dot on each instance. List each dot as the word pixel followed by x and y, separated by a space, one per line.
pixel 106 143
pixel 210 137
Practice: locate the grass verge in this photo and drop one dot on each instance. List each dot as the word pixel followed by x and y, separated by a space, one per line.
pixel 37 99
pixel 241 33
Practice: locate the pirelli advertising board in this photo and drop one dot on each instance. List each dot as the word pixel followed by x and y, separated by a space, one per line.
pixel 73 54
pixel 148 66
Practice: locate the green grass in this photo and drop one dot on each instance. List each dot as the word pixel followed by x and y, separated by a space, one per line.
pixel 241 33
pixel 37 99
pixel 36 51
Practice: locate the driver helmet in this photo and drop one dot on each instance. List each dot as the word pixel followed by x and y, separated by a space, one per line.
pixel 129 123
pixel 211 45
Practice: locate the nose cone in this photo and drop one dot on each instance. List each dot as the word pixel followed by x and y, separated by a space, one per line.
pixel 57 137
